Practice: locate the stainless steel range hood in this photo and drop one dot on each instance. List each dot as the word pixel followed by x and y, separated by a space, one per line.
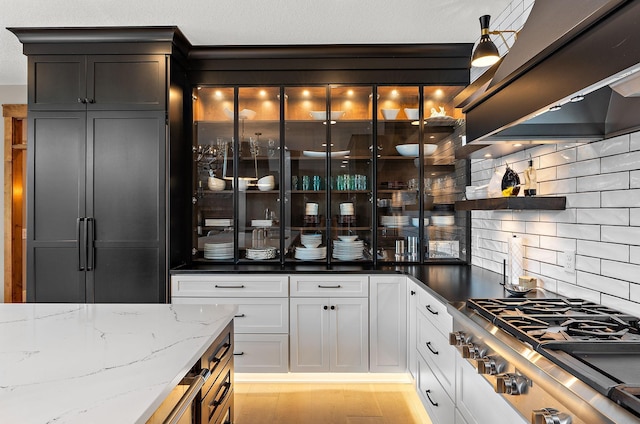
pixel 566 49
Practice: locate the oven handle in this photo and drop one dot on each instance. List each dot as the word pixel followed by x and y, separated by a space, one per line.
pixel 187 398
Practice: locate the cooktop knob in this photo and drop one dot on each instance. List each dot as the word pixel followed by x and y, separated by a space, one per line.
pixel 512 384
pixel 472 351
pixel 458 338
pixel 549 416
pixel 488 365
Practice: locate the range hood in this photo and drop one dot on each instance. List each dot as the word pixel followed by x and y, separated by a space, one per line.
pixel 566 50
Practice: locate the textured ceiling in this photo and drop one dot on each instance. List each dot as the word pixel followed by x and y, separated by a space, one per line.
pixel 238 22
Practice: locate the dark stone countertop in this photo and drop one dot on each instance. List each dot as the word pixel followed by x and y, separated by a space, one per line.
pixel 453 283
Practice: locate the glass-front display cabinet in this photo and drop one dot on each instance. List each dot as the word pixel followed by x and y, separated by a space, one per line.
pixel 328 174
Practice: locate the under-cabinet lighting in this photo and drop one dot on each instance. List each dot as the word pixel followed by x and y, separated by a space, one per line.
pixel 218 94
pixel 350 93
pixel 432 136
pixel 517 145
pixel 439 92
pixel 555 108
pixel 263 93
pixel 394 93
pixel 325 144
pixel 487 155
pixel 305 93
pixel 577 98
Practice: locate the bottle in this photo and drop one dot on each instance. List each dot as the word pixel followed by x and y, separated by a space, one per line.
pixel 530 180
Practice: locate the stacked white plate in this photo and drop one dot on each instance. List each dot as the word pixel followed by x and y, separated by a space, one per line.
pixel 443 220
pixel 311 240
pixel 479 192
pixel 395 220
pixel 218 250
pixel 218 222
pixel 311 253
pixel 261 253
pixel 261 222
pixel 348 250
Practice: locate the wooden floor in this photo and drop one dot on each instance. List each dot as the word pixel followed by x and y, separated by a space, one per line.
pixel 328 403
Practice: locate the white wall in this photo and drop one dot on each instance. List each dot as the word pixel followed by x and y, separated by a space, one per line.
pixel 601 181
pixel 9 94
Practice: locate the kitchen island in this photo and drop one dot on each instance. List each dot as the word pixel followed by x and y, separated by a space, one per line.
pixel 98 363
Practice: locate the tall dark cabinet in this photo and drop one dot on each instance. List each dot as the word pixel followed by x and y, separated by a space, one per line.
pixel 107 154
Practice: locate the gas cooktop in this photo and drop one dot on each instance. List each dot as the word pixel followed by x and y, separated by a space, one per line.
pixel 597 344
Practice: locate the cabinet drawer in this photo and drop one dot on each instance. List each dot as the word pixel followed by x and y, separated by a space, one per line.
pixel 222 389
pixel 436 312
pixel 329 285
pixel 218 354
pixel 261 353
pixel 439 406
pixel 255 315
pixel 440 356
pixel 229 285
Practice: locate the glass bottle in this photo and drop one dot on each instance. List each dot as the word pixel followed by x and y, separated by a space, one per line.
pixel 530 180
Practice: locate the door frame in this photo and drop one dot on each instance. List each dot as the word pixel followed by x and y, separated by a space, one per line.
pixel 13 290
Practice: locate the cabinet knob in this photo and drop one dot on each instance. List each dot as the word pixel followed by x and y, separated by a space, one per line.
pixel 549 416
pixel 413 292
pixel 333 307
pixel 325 307
pixel 91 101
pixel 81 100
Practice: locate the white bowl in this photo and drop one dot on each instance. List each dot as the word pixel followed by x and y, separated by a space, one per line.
pixel 389 113
pixel 412 113
pixel 412 149
pixel 266 183
pixel 348 238
pixel 243 183
pixel 216 184
pixel 243 114
pixel 312 243
pixel 321 115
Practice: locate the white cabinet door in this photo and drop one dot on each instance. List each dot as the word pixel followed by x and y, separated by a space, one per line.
pixel 435 349
pixel 388 324
pixel 477 401
pixel 349 334
pixel 221 285
pixel 439 406
pixel 412 335
pixel 309 334
pixel 329 334
pixel 329 285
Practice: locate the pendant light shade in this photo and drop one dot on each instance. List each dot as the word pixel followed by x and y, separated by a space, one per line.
pixel 486 52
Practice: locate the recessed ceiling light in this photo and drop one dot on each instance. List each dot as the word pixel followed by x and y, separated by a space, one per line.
pixel 487 155
pixel 517 145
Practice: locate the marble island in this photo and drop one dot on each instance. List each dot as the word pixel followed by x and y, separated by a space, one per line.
pixel 98 363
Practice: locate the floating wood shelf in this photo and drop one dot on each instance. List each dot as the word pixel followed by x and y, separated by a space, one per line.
pixel 534 202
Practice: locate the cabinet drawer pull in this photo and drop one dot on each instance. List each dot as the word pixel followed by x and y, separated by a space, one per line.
pixel 431 310
pixel 435 352
pixel 320 286
pixel 238 354
pixel 220 396
pixel 239 316
pixel 241 286
pixel 223 350
pixel 187 398
pixel 429 397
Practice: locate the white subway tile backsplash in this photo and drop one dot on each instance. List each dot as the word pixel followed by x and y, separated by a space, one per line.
pixel 605 216
pixel 529 215
pixel 634 254
pixel 569 216
pixel 541 228
pixel 634 294
pixel 583 200
pixel 513 226
pixel 621 198
pixel 619 304
pixel 557 273
pixel 556 243
pixel 572 290
pixel 539 151
pixel 623 235
pixel 546 174
pixel 599 149
pixel 634 179
pixel 588 264
pixel 578 169
pixel 541 255
pixel 621 270
pixel 624 162
pixel 548 188
pixel 603 182
pixel 578 231
pixel 634 143
pixel 610 285
pixel 558 158
pixel 531 266
pixel 598 249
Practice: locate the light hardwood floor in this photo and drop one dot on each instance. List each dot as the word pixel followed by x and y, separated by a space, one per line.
pixel 328 403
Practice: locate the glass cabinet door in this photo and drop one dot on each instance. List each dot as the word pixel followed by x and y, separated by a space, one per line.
pixel 350 153
pixel 258 173
pixel 306 135
pixel 444 177
pixel 213 168
pixel 398 169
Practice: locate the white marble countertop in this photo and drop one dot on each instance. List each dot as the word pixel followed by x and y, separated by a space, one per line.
pixel 98 363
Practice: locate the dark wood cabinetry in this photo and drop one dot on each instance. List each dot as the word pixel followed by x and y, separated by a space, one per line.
pixel 102 158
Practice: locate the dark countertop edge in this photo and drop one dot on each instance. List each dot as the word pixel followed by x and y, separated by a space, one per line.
pixel 450 283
